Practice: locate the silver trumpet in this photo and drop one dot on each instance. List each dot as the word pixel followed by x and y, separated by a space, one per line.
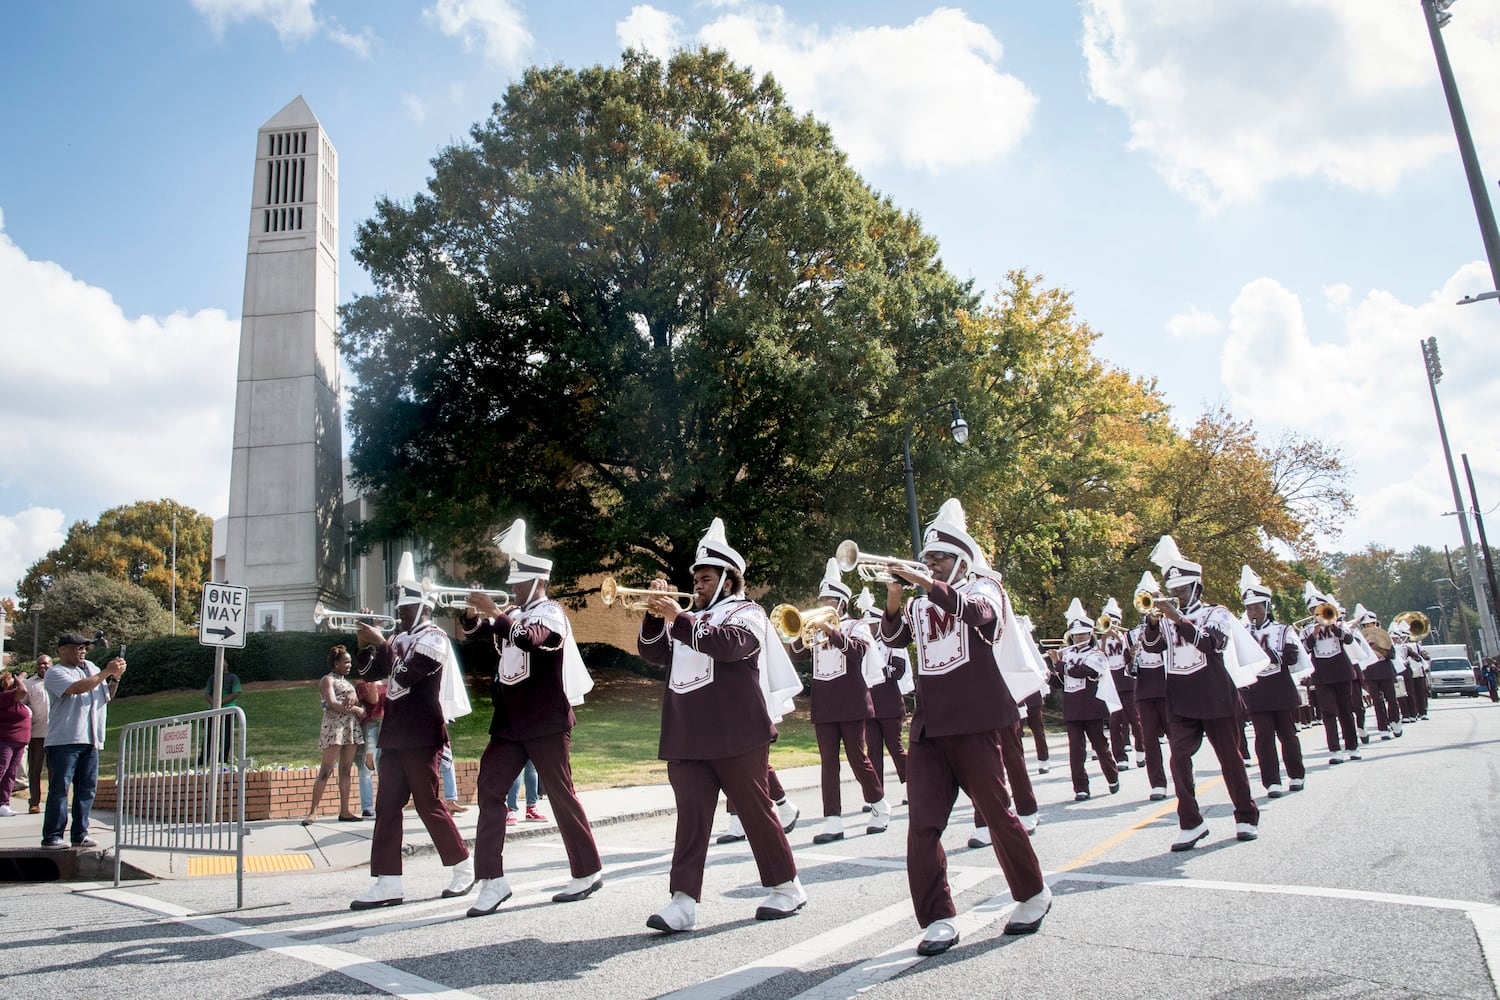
pixel 458 597
pixel 348 620
pixel 871 568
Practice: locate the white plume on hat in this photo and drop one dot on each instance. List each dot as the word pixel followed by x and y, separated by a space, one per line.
pixel 1175 567
pixel 714 550
pixel 1362 615
pixel 833 582
pixel 1078 618
pixel 1112 608
pixel 408 587
pixel 1252 591
pixel 865 602
pixel 1147 583
pixel 523 567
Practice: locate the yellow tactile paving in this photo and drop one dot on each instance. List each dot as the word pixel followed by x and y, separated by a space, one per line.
pixel 219 864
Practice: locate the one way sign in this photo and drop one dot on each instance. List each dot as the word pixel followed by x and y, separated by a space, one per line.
pixel 222 622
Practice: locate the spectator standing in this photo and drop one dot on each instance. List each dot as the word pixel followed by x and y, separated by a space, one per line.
pixel 371 695
pixel 15 733
pixel 340 737
pixel 231 695
pixel 36 753
pixel 79 694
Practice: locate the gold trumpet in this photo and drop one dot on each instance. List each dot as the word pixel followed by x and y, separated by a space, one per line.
pixel 347 620
pixel 790 623
pixel 458 597
pixel 1418 625
pixel 635 599
pixel 1324 613
pixel 1145 600
pixel 871 569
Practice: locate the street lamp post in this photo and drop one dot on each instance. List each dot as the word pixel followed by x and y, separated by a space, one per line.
pixel 1436 13
pixel 959 428
pixel 1440 623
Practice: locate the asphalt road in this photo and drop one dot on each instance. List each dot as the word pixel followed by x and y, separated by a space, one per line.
pixel 1378 880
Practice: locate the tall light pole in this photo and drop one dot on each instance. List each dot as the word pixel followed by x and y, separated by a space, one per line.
pixel 1436 13
pixel 1434 376
pixel 1484 542
pixel 959 428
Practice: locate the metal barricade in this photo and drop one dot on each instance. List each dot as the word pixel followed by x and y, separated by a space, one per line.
pixel 175 793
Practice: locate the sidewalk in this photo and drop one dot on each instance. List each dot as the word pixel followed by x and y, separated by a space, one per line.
pixel 287 845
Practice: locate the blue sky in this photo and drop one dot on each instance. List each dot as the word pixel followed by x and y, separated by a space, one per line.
pixel 1256 202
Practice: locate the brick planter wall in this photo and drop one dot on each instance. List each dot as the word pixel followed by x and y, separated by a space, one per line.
pixel 268 794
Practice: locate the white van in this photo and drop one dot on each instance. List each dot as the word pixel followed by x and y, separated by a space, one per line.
pixel 1452 673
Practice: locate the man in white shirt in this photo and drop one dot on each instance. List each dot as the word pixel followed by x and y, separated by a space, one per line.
pixel 79 694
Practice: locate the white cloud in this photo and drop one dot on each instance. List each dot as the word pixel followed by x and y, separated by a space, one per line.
pixel 101 409
pixel 416 108
pixel 293 20
pixel 929 95
pixel 24 538
pixel 1232 96
pixel 1194 325
pixel 1361 385
pixel 360 44
pixel 497 25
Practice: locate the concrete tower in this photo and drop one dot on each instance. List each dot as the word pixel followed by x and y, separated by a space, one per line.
pixel 285 533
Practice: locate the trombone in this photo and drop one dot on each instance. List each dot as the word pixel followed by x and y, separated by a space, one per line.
pixel 1324 613
pixel 458 597
pixel 790 623
pixel 871 569
pixel 347 620
pixel 634 599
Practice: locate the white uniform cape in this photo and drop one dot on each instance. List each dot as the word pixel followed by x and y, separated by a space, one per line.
pixel 1015 653
pixel 905 684
pixel 779 680
pixel 576 679
pixel 872 667
pixel 1108 693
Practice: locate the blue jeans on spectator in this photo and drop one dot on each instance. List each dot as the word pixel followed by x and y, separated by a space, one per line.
pixel 445 768
pixel 366 775
pixel 529 773
pixel 75 766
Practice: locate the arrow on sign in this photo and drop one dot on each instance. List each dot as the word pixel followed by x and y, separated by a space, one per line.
pixel 223 633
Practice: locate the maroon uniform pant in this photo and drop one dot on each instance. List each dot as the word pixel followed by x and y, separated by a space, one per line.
pixel 744 780
pixel 1038 728
pixel 1013 754
pixel 1186 736
pixel 882 735
pixel 773 785
pixel 1269 728
pixel 938 767
pixel 1154 724
pixel 1336 706
pixel 1419 695
pixel 411 773
pixel 852 736
pixel 1408 701
pixel 502 761
pixel 1383 696
pixel 1091 730
pixel 1357 695
pixel 1125 725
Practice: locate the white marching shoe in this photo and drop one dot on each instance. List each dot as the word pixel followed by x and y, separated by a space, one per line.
pixel 787 813
pixel 1140 760
pixel 463 879
pixel 1336 758
pixel 733 833
pixel 1246 831
pixel 1296 785
pixel 1043 767
pixel 784 900
pixel 833 829
pixel 681 914
pixel 1188 839
pixel 1029 822
pixel 1275 791
pixel 1026 918
pixel 384 891
pixel 880 817
pixel 1158 793
pixel 1355 755
pixel 580 888
pixel 941 935
pixel 492 892
pixel 979 837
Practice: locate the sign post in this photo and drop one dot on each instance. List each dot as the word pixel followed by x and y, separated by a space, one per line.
pixel 222 625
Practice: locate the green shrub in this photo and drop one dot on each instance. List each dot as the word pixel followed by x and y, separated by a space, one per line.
pixel 175 662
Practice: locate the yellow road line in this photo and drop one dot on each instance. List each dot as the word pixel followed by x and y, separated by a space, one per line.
pixel 1103 847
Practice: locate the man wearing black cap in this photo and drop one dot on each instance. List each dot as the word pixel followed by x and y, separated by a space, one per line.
pixel 78 695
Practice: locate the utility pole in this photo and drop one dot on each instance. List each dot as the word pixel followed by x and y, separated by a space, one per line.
pixel 1484 543
pixel 1487 638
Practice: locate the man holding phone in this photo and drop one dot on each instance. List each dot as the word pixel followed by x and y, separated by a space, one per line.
pixel 78 696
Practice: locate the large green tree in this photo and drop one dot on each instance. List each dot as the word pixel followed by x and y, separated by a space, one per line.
pixel 89 602
pixel 133 543
pixel 641 296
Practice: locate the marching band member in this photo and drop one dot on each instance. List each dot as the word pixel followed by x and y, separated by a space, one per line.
pixel 883 731
pixel 726 674
pixel 1031 706
pixel 968 657
pixel 416 663
pixel 1421 668
pixel 845 666
pixel 1272 700
pixel 1334 675
pixel 1208 657
pixel 1086 705
pixel 1013 756
pixel 1150 696
pixel 1124 722
pixel 1380 676
pixel 1406 695
pixel 540 678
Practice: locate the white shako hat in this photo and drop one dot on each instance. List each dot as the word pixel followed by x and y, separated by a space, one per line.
pixel 714 550
pixel 865 602
pixel 1252 591
pixel 1363 615
pixel 1112 608
pixel 1400 631
pixel 949 532
pixel 523 567
pixel 833 582
pixel 1078 619
pixel 1176 569
pixel 1148 583
pixel 408 587
pixel 1312 596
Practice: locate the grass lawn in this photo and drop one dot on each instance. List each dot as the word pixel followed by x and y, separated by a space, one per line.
pixel 614 744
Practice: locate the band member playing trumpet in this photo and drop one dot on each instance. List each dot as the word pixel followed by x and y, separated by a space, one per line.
pixel 1085 673
pixel 844 668
pixel 1380 676
pixel 1124 722
pixel 539 679
pixel 1203 669
pixel 1150 669
pixel 1334 673
pixel 1272 700
pixel 960 625
pixel 416 663
pixel 726 672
